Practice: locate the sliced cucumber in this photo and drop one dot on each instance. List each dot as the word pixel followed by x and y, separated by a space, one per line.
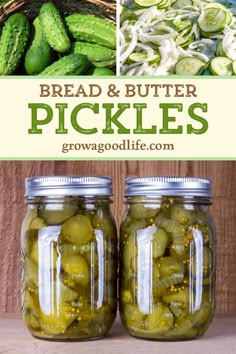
pixel 189 66
pixel 229 18
pixel 219 49
pixel 141 56
pixel 212 20
pixel 168 23
pixel 184 41
pixel 147 3
pixel 137 56
pixel 189 40
pixel 221 66
pixel 216 5
pixel 234 67
pixel 127 14
pixel 181 25
pixel 164 4
pixel 180 4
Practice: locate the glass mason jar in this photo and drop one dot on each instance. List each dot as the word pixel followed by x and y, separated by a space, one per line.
pixel 69 258
pixel 167 258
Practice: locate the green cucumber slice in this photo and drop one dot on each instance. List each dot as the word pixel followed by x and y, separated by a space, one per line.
pixel 234 67
pixel 147 3
pixel 181 25
pixel 140 56
pixel 219 49
pixel 180 4
pixel 212 20
pixel 189 40
pixel 216 5
pixel 189 66
pixel 229 18
pixel 164 4
pixel 221 66
pixel 185 40
pixel 127 14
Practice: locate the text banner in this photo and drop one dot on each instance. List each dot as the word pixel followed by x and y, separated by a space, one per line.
pixel 118 118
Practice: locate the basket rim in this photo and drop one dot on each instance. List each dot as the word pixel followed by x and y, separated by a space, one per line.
pixel 12 5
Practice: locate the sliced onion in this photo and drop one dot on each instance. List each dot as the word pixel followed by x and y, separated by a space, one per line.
pixel 229 43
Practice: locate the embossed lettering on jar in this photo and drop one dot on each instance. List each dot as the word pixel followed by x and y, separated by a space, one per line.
pixel 167 258
pixel 69 258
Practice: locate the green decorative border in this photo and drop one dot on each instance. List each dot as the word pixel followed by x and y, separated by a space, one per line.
pixel 118 158
pixel 163 77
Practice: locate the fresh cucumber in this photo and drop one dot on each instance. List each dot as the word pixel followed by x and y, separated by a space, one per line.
pixel 53 27
pixel 72 64
pixel 94 52
pixel 147 3
pixel 221 66
pixel 217 5
pixel 141 57
pixel 185 40
pixel 180 4
pixel 13 42
pixel 189 66
pixel 164 4
pixel 39 55
pixel 183 24
pixel 92 29
pixel 101 72
pixel 212 20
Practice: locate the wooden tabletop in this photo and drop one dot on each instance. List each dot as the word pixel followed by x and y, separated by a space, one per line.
pixel 219 339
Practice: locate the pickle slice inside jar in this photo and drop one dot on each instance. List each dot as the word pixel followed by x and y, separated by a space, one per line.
pixel 201 264
pixel 30 273
pixel 170 266
pixel 101 221
pixel 57 322
pixel 140 210
pixel 37 223
pixel 159 243
pixel 180 214
pixel 32 320
pixel 133 317
pixel 77 267
pixel 34 255
pixel 180 296
pixel 130 253
pixel 159 321
pixel 77 230
pixel 57 214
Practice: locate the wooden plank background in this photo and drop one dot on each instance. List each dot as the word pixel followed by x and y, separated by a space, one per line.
pixel 12 210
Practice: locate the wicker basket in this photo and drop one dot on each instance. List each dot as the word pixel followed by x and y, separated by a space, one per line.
pixel 101 8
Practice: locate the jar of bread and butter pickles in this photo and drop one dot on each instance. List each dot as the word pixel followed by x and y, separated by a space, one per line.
pixel 69 258
pixel 167 258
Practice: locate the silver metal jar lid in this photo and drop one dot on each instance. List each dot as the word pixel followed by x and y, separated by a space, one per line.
pixel 168 186
pixel 68 185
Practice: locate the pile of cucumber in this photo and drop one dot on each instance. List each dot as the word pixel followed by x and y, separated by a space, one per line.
pixel 178 37
pixel 76 45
